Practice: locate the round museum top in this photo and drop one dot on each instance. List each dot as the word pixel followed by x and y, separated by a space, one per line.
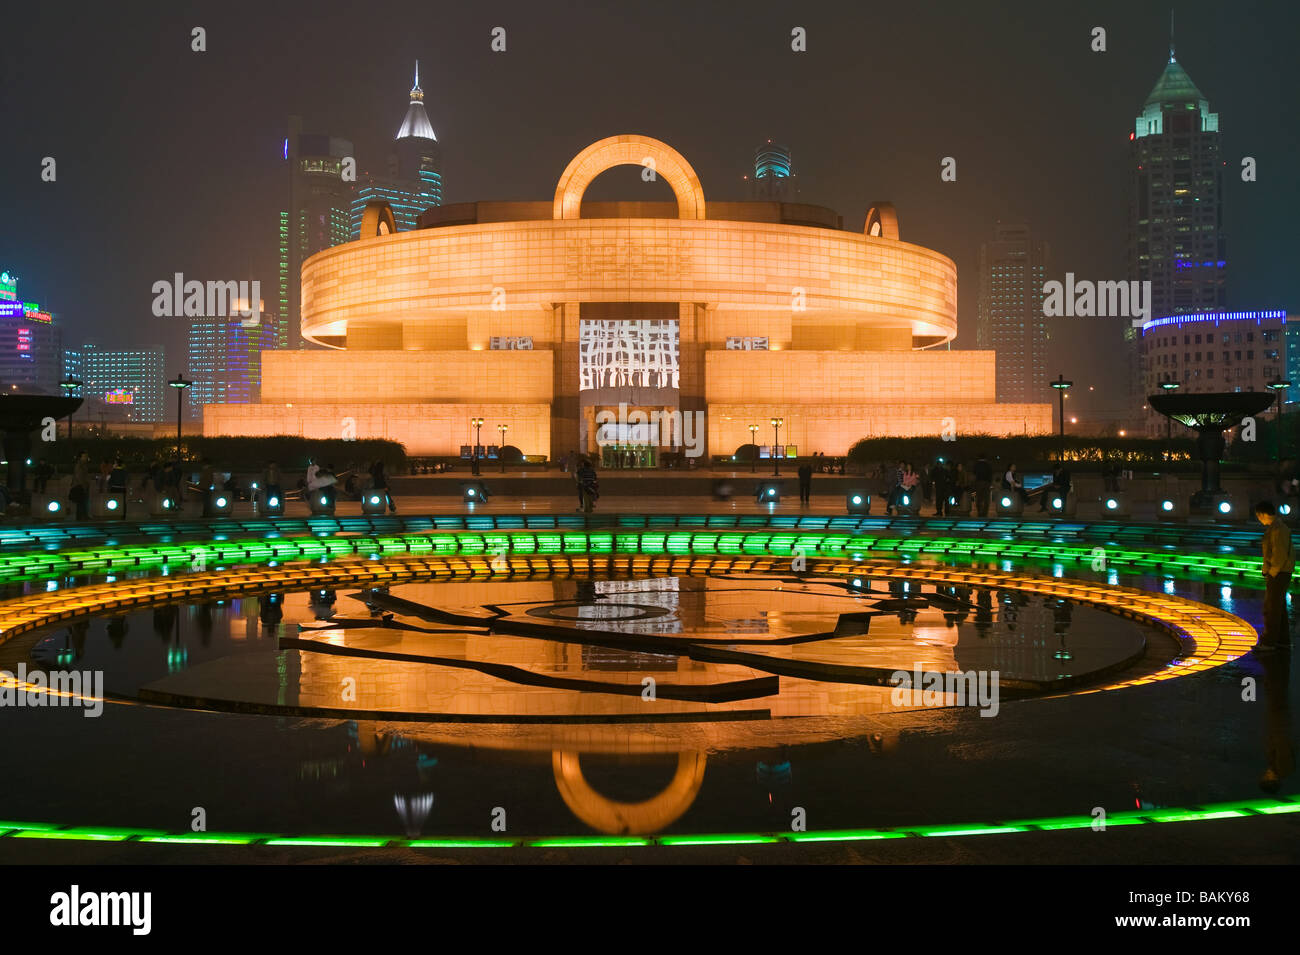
pixel 504 262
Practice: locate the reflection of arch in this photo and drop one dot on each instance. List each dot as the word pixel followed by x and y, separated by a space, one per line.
pixel 882 220
pixel 377 219
pixel 629 151
pixel 609 815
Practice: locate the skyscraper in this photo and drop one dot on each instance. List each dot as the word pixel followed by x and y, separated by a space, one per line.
pixel 225 359
pixel 31 345
pixel 316 217
pixel 1013 268
pixel 1175 237
pixel 412 178
pixel 773 178
pixel 1175 209
pixel 123 384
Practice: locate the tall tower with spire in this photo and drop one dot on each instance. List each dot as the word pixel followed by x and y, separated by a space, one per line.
pixel 1176 203
pixel 1175 238
pixel 411 180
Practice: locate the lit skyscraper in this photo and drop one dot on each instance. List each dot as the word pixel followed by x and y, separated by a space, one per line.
pixel 773 178
pixel 123 384
pixel 1175 214
pixel 1175 209
pixel 412 181
pixel 225 360
pixel 1013 268
pixel 316 218
pixel 31 346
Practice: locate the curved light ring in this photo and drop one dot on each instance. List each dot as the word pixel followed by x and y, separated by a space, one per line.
pixel 1210 637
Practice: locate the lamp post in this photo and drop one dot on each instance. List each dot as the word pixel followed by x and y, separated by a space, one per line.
pixel 1062 386
pixel 68 384
pixel 501 448
pixel 753 439
pixel 180 383
pixel 1169 387
pixel 478 440
pixel 1278 386
pixel 776 442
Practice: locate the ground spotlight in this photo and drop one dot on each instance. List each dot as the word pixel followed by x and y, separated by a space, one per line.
pixel 1170 508
pixel 272 503
pixel 1062 505
pixel 106 506
pixel 858 502
pixel 959 504
pixel 1224 507
pixel 474 493
pixel 47 508
pixel 374 502
pixel 1284 509
pixel 769 492
pixel 1115 504
pixel 1009 502
pixel 321 502
pixel 163 505
pixel 218 504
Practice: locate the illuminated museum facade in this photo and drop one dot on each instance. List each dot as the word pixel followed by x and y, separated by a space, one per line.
pixel 544 315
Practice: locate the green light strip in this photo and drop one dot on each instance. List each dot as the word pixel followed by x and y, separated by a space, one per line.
pixel 1235 810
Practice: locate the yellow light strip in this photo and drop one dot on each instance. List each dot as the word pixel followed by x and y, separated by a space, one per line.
pixel 1211 637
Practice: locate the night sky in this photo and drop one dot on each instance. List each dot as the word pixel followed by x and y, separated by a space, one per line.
pixel 170 160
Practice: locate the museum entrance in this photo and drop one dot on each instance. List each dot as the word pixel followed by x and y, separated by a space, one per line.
pixel 627 437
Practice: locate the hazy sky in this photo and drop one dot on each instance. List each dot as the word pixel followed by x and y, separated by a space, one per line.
pixel 170 160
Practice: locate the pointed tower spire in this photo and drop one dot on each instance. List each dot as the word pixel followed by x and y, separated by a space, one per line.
pixel 417 94
pixel 1171 34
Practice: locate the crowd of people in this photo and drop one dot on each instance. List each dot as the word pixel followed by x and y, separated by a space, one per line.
pixel 946 484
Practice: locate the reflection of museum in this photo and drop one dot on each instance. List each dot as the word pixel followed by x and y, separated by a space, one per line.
pixel 541 315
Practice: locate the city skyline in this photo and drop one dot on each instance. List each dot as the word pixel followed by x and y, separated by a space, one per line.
pixel 1054 153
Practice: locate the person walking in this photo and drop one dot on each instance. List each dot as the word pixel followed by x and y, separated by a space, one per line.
pixel 1279 563
pixel 79 493
pixel 588 486
pixel 805 482
pixel 983 474
pixel 379 481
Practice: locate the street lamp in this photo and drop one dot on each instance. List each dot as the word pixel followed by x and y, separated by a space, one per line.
pixel 753 439
pixel 68 384
pixel 180 383
pixel 477 424
pixel 1169 387
pixel 1278 386
pixel 501 448
pixel 1062 386
pixel 776 442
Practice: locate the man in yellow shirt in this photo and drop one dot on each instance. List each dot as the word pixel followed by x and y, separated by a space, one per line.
pixel 1279 562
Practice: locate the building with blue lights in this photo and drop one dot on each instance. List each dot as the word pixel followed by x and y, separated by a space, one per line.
pixel 121 384
pixel 225 359
pixel 1217 352
pixel 412 178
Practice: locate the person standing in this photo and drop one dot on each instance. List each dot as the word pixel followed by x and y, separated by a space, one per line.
pixel 588 486
pixel 983 473
pixel 942 488
pixel 379 481
pixel 1279 562
pixel 805 482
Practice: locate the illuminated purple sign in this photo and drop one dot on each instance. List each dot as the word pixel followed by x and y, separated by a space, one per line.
pixel 11 309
